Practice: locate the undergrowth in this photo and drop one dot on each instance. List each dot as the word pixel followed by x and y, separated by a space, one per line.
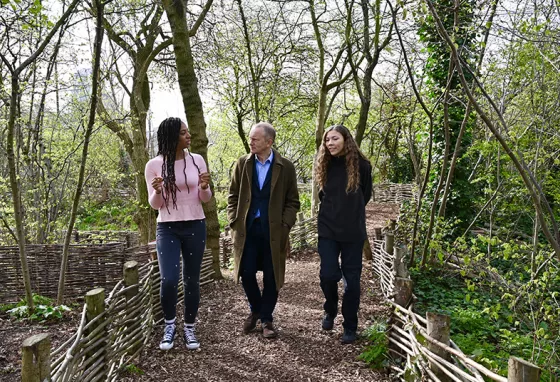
pixel 375 352
pixel 482 326
pixel 113 215
pixel 44 309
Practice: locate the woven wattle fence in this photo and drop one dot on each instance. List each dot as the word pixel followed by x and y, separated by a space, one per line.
pixel 113 327
pixel 89 266
pixel 394 193
pixel 129 238
pixel 423 345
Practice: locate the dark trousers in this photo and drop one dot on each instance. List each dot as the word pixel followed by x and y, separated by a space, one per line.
pixel 257 255
pixel 331 272
pixel 173 239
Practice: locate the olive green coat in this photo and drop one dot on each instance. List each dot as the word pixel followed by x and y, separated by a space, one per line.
pixel 282 209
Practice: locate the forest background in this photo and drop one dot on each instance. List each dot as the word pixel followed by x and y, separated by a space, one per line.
pixel 460 98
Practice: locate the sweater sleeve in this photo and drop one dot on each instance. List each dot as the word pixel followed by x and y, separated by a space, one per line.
pixel 150 172
pixel 203 195
pixel 367 183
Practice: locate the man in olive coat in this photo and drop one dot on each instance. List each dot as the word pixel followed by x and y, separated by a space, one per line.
pixel 263 203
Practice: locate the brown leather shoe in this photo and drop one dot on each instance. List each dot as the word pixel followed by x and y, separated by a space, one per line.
pixel 250 323
pixel 268 330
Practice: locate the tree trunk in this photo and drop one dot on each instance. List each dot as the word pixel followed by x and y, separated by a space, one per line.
pixel 93 107
pixel 139 106
pixel 16 193
pixel 14 180
pixel 188 85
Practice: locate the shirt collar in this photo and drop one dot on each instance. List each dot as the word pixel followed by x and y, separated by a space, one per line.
pixel 269 159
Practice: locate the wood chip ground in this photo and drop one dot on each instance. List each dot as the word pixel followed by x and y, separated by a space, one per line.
pixel 302 352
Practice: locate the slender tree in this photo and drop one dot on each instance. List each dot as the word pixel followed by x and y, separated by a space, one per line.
pixel 15 72
pixel 188 84
pixel 99 32
pixel 142 49
pixel 370 50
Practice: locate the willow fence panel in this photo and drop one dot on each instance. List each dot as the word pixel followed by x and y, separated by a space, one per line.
pixel 394 193
pixel 424 357
pixel 113 329
pixel 88 266
pixel 129 238
pixel 111 335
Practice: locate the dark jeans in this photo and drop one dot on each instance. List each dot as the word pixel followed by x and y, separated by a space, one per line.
pixel 257 255
pixel 173 239
pixel 331 272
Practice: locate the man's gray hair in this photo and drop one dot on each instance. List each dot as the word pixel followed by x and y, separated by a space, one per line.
pixel 268 130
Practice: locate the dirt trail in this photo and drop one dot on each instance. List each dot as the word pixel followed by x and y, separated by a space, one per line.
pixel 302 352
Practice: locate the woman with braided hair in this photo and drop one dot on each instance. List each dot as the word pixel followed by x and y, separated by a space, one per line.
pixel 343 175
pixel 178 182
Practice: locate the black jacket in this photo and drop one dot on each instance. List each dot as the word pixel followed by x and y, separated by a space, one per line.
pixel 342 216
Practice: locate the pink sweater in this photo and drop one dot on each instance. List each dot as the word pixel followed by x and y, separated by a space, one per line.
pixel 189 205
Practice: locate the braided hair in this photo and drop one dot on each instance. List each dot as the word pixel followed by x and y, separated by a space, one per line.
pixel 168 138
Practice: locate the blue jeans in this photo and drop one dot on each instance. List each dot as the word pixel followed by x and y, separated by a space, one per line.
pixel 173 239
pixel 331 272
pixel 257 255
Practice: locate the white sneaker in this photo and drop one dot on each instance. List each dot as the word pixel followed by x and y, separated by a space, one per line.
pixel 190 338
pixel 168 336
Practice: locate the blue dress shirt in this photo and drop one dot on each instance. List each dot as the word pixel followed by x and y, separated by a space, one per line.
pixel 262 170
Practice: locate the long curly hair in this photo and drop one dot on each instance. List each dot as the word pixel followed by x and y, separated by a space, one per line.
pixel 352 153
pixel 168 138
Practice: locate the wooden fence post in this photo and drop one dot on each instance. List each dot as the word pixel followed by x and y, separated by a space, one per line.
pixel 389 242
pixel 367 250
pixel 130 276
pixel 378 234
pixel 95 301
pixel 399 266
pixel 439 328
pixel 403 291
pixel 225 247
pixel 36 363
pixel 522 371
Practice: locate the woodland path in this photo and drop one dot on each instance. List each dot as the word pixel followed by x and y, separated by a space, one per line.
pixel 302 352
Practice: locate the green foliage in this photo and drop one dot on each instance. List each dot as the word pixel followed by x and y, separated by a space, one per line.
pixel 305 202
pixel 133 369
pixel 221 206
pixel 231 264
pixel 375 352
pixel 401 170
pixel 44 309
pixel 114 214
pixel 484 325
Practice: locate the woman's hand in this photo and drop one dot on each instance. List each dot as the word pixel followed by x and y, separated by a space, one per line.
pixel 204 180
pixel 157 182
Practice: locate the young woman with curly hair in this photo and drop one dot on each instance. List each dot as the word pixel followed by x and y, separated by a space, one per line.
pixel 343 175
pixel 178 182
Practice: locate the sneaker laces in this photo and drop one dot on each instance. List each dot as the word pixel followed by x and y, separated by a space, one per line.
pixel 189 335
pixel 168 333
